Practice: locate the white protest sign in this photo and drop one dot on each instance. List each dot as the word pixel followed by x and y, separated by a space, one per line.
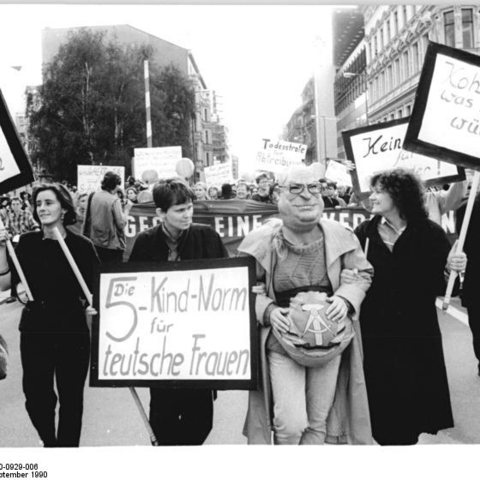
pixel 176 325
pixel 379 148
pixel 218 174
pixel 338 173
pixel 89 177
pixel 152 164
pixel 451 119
pixel 15 168
pixel 275 156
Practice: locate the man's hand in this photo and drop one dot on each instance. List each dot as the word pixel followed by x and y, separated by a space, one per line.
pixel 279 321
pixel 338 309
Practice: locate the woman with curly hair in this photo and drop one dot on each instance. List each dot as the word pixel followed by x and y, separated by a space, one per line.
pixel 54 335
pixel 404 365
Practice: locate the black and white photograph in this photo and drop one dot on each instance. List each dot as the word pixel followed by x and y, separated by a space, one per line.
pixel 229 227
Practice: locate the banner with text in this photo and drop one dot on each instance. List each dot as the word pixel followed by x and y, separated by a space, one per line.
pixel 338 173
pixel 89 177
pixel 275 156
pixel 152 164
pixel 218 174
pixel 445 121
pixel 187 324
pixel 15 168
pixel 379 147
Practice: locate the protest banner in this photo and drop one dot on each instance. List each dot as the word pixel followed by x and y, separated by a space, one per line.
pixel 186 324
pixel 89 177
pixel 275 156
pixel 151 164
pixel 15 168
pixel 218 174
pixel 233 219
pixel 380 147
pixel 337 172
pixel 444 123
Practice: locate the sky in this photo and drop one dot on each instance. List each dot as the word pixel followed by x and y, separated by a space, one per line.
pixel 257 58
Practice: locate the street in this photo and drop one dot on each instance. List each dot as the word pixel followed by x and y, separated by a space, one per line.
pixel 111 417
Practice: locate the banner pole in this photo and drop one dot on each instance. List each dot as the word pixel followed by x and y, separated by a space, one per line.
pixel 89 296
pixel 14 258
pixel 461 238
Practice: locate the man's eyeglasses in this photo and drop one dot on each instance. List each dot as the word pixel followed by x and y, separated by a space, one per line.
pixel 298 188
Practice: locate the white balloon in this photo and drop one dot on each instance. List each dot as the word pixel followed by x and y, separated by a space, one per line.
pixel 185 167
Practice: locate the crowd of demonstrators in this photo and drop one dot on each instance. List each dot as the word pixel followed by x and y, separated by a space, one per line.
pixel 54 336
pixel 178 416
pixel 407 384
pixel 323 391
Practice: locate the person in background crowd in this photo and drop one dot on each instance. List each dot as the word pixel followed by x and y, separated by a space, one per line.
pixel 262 194
pixel 126 204
pixel 54 335
pixel 330 196
pixel 19 222
pixel 80 210
pixel 242 191
pixel 404 365
pixel 470 294
pixel 213 193
pixel 343 193
pixel 105 221
pixel 274 193
pixel 302 255
pixel 4 207
pixel 234 190
pixel 178 416
pixel 439 202
pixel 131 193
pixel 200 190
pixel 26 199
pixel 253 190
pixel 227 192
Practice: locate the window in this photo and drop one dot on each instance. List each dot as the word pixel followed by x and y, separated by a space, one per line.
pixel 375 48
pixel 415 59
pixel 467 27
pixel 205 114
pixel 206 137
pixel 391 82
pixel 405 15
pixel 409 110
pixel 449 25
pixel 399 113
pixel 398 71
pixel 389 31
pixel 207 158
pixel 392 116
pixel 395 22
pixel 406 64
pixel 380 39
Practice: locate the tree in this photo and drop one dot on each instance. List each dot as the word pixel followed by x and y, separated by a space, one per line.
pixel 91 106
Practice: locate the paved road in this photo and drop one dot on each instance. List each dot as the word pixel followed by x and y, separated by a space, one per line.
pixel 112 419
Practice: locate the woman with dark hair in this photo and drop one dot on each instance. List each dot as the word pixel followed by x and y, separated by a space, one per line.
pixel 54 335
pixel 404 365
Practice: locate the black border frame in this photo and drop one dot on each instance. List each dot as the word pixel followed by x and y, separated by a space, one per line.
pixel 412 143
pixel 347 135
pixel 186 265
pixel 13 140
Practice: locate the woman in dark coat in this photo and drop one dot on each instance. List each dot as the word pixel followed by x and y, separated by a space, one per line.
pixel 404 365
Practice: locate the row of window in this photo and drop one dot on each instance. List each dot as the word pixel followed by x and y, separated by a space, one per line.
pixel 467 28
pixel 406 65
pixel 390 29
pixel 400 113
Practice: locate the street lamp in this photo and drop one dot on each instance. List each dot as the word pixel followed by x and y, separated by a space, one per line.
pixel 364 76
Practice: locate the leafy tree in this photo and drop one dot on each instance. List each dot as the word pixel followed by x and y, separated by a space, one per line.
pixel 91 106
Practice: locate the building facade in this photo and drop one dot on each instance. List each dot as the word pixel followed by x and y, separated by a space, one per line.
pixel 164 53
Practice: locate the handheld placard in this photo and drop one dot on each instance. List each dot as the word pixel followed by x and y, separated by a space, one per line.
pixel 461 238
pixel 14 258
pixel 89 297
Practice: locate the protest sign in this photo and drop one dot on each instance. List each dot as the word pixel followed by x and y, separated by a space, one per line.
pixel 445 123
pixel 218 174
pixel 338 173
pixel 275 156
pixel 184 324
pixel 151 164
pixel 376 148
pixel 89 177
pixel 15 168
